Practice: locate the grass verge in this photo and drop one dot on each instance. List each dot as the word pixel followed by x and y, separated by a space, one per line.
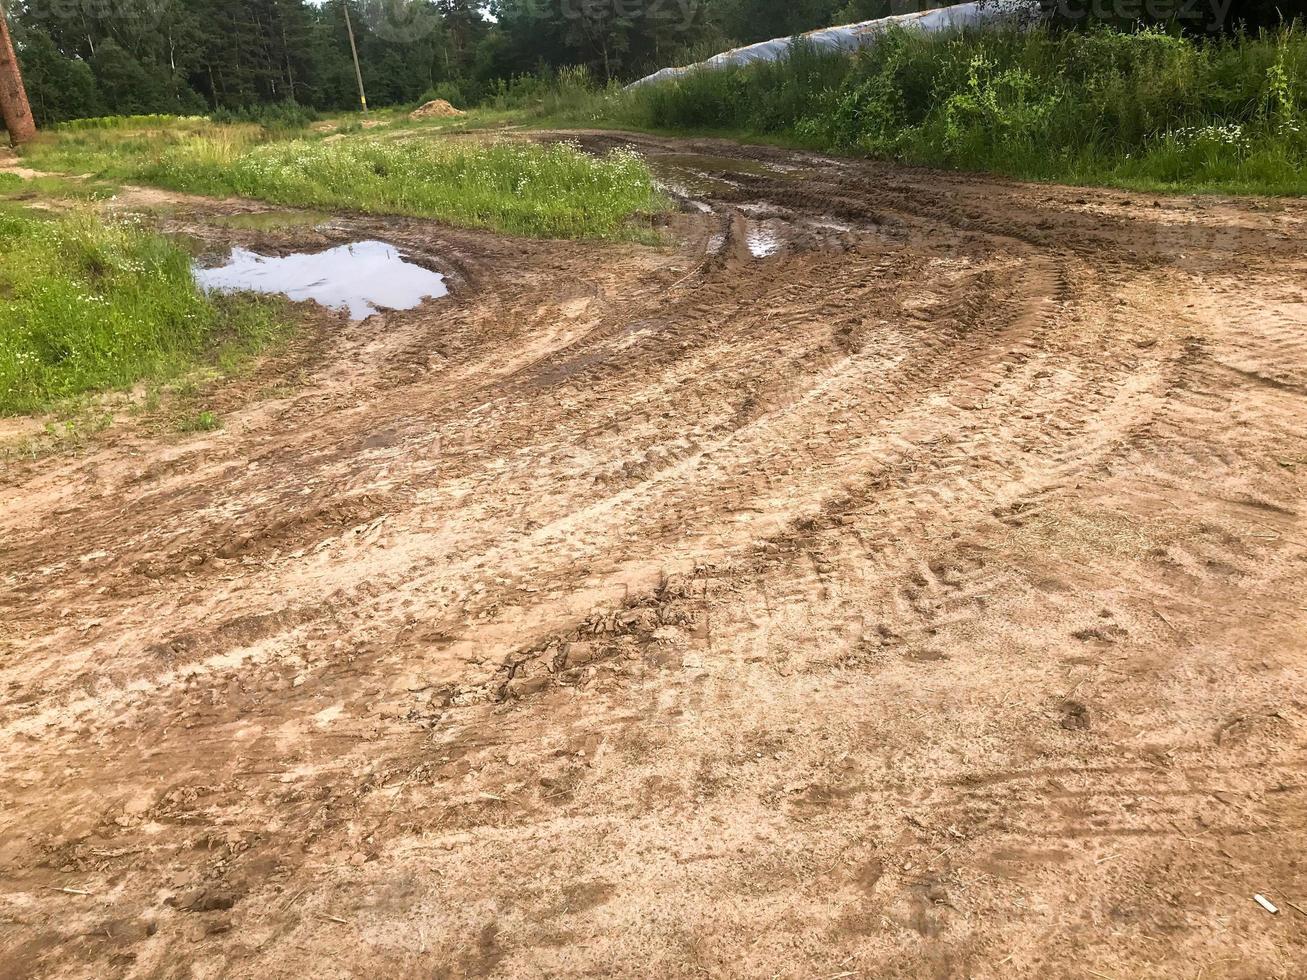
pixel 554 191
pixel 87 306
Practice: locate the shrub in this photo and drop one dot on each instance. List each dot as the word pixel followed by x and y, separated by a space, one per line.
pixel 1141 107
pixel 452 92
pixel 276 116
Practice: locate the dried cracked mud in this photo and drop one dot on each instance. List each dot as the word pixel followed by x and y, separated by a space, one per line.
pixel 900 573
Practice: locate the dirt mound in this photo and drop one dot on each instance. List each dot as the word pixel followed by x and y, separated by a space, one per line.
pixel 436 109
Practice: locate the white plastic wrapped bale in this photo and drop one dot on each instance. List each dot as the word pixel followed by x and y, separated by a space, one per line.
pixel 852 37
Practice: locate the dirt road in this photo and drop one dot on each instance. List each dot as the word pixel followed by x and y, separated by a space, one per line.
pixel 902 574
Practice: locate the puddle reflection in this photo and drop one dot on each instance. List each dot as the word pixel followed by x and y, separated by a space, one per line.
pixel 363 278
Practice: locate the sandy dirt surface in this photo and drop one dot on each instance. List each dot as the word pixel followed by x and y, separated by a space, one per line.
pixel 899 574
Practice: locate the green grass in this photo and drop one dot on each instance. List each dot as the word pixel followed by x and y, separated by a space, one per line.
pixel 203 421
pixel 116 151
pixel 554 191
pixel 44 188
pixel 87 306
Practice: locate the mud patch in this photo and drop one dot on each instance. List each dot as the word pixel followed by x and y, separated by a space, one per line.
pixel 694 175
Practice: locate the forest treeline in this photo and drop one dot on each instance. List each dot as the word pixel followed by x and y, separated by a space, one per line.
pixel 95 57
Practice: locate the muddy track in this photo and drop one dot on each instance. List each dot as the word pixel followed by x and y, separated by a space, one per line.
pixel 899 574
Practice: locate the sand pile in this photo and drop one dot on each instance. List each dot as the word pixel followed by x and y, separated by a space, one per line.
pixel 435 109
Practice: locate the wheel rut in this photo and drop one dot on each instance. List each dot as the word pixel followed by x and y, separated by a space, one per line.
pixel 898 567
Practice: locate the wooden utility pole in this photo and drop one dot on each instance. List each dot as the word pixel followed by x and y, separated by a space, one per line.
pixel 358 72
pixel 14 109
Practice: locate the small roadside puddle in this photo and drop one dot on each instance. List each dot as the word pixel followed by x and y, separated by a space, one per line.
pixel 363 278
pixel 762 242
pixel 272 220
pixel 691 176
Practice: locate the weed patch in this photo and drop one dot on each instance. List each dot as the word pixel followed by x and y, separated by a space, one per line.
pixel 555 191
pixel 522 188
pixel 87 305
pixel 125 122
pixel 205 421
pixel 1140 109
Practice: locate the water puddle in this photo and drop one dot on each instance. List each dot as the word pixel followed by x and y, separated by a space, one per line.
pixel 763 209
pixel 272 220
pixel 192 245
pixel 692 186
pixel 363 278
pixel 762 242
pixel 693 176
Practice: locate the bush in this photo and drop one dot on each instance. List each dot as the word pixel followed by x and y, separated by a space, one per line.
pixel 518 92
pixel 58 87
pixel 1141 107
pixel 276 116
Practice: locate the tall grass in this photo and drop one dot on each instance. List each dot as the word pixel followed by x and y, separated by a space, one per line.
pixel 115 146
pixel 124 122
pixel 281 117
pixel 1143 108
pixel 522 188
pixel 513 186
pixel 86 305
pixel 542 94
